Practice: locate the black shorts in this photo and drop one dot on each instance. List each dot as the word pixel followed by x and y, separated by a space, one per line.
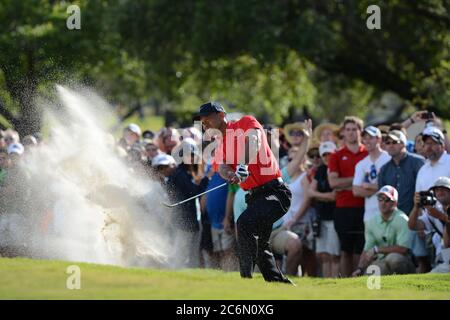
pixel 349 225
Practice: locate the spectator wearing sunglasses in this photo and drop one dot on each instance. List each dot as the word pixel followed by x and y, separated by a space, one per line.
pixel 295 133
pixel 365 181
pixel 315 161
pixel 401 171
pixel 388 239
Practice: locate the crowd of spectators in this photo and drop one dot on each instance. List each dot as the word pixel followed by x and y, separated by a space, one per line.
pixel 362 196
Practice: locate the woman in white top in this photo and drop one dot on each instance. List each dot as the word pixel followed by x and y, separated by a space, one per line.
pixel 299 219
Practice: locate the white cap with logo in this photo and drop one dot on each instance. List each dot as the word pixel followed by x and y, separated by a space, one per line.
pixel 327 147
pixel 390 192
pixel 163 160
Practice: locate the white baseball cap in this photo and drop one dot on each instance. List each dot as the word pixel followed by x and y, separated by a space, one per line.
pixel 16 148
pixel 397 135
pixel 134 128
pixel 327 147
pixel 390 192
pixel 372 131
pixel 442 182
pixel 162 159
pixel 434 133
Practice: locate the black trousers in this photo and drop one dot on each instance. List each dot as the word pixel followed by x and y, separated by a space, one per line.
pixel 254 227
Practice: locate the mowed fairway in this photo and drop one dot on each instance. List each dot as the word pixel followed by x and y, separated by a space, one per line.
pixel 43 279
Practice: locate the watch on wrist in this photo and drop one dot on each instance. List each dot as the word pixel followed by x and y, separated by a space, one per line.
pixel 411 119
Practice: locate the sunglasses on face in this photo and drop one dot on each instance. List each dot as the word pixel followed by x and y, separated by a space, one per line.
pixel 296 133
pixel 389 142
pixel 314 156
pixel 384 199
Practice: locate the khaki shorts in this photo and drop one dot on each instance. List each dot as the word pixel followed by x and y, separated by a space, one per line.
pixel 279 239
pixel 221 240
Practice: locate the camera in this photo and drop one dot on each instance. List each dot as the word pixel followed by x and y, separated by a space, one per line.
pixel 427 198
pixel 427 115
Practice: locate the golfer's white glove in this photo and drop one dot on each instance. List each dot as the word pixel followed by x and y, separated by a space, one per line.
pixel 242 172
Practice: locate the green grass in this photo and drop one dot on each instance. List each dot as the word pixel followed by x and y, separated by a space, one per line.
pixel 43 279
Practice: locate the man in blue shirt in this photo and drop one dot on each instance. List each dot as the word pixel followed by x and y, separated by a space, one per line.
pixel 401 171
pixel 223 242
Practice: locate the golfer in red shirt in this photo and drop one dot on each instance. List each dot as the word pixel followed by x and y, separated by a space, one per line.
pixel 243 156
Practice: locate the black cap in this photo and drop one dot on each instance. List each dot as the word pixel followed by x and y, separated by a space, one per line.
pixel 208 108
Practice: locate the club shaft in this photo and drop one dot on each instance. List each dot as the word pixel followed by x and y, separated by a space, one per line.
pixel 198 195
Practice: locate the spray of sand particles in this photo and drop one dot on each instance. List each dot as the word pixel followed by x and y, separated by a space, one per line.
pixel 78 201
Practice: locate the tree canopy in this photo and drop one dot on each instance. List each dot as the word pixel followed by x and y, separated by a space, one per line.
pixel 272 58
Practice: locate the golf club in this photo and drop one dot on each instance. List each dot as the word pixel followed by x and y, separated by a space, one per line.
pixel 196 196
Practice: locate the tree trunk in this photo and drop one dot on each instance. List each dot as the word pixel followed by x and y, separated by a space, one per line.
pixel 22 86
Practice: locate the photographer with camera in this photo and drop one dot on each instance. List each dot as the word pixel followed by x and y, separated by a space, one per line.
pixel 388 239
pixel 431 216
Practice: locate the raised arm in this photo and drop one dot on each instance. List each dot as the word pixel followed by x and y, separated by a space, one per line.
pixel 294 165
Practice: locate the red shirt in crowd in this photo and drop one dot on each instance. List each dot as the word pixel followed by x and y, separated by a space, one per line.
pixel 231 151
pixel 343 161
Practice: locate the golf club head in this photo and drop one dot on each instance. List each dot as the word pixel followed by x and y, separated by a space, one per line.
pixel 168 205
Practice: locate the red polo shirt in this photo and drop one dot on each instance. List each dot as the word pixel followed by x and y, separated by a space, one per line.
pixel 343 161
pixel 231 149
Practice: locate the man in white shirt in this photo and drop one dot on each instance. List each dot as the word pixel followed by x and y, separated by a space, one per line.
pixel 366 171
pixel 437 165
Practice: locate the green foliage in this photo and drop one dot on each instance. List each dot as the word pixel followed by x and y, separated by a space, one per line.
pixel 247 85
pixel 264 57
